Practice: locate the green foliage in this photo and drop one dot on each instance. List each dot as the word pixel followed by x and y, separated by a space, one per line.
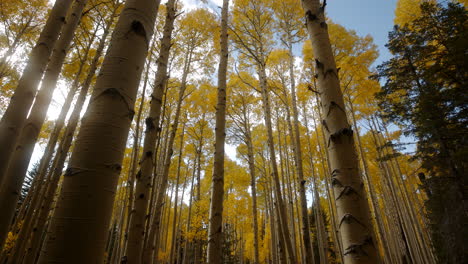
pixel 425 91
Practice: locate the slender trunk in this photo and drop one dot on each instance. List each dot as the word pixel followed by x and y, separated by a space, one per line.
pixel 320 227
pixel 275 175
pixel 64 146
pixel 300 171
pixel 353 212
pixel 215 231
pixel 251 161
pixel 153 243
pixel 135 152
pixel 19 160
pixel 367 180
pixel 43 167
pixel 189 217
pixel 273 243
pixel 174 220
pixel 143 177
pixel 95 164
pixel 14 118
pixel 177 246
pixel 326 171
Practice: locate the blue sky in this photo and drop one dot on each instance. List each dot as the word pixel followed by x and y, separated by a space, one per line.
pixel 373 17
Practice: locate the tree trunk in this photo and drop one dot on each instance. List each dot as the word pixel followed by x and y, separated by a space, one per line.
pixel 43 166
pixel 298 161
pixel 64 146
pixel 143 177
pixel 215 230
pixel 174 219
pixel 135 153
pixel 275 175
pixel 153 243
pixel 19 161
pixel 95 164
pixel 353 213
pixel 251 161
pixel 15 115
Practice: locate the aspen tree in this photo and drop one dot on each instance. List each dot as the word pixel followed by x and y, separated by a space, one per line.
pixel 14 118
pixel 352 210
pixel 241 107
pixel 255 46
pixel 45 162
pixel 19 161
pixel 152 242
pixel 91 178
pixel 215 231
pixel 63 148
pixel 143 185
pixel 174 219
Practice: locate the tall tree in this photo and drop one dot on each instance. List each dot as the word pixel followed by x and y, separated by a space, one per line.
pixel 215 229
pixel 252 30
pixel 144 175
pixel 93 171
pixel 15 115
pixel 424 93
pixel 352 209
pixel 19 161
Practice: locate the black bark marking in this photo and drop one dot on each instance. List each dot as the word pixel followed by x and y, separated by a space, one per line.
pixel 336 182
pixel 319 65
pixel 323 25
pixel 310 16
pixel 356 249
pixel 138 28
pixel 115 93
pixel 347 190
pixel 348 219
pixel 330 71
pixel 311 89
pixel 324 4
pixel 324 124
pixel 149 122
pixel 336 137
pixel 131 114
pixel 334 104
pixel 72 171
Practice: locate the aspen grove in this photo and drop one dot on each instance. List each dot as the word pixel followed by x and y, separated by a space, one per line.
pixel 231 131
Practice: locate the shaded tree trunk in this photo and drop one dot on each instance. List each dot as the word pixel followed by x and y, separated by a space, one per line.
pixel 144 175
pixel 21 155
pixel 215 230
pixel 62 151
pixel 15 115
pixel 277 188
pixel 95 165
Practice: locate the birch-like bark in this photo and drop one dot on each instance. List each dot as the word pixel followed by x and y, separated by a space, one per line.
pixel 43 166
pixel 20 157
pixel 352 210
pixel 14 118
pixel 152 244
pixel 176 187
pixel 275 174
pixel 215 230
pixel 95 165
pixel 64 146
pixel 144 175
